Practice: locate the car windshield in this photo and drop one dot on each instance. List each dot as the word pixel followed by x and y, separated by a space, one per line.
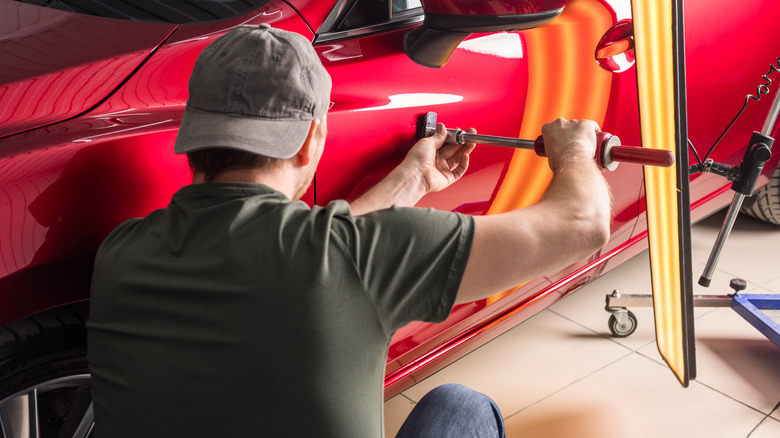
pixel 169 11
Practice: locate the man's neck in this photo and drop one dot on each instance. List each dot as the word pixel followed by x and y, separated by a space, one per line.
pixel 277 179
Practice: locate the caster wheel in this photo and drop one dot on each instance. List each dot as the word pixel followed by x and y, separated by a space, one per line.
pixel 625 328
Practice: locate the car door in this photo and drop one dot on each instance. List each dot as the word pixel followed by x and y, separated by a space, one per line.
pixel 505 84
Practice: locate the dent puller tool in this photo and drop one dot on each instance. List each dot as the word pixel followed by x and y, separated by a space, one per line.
pixel 609 152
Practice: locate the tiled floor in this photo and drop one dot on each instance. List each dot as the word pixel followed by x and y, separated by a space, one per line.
pixel 562 374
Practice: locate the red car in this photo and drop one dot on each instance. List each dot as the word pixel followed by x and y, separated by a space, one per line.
pixel 92 92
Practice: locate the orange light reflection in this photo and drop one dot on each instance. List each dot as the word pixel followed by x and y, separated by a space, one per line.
pixel 564 81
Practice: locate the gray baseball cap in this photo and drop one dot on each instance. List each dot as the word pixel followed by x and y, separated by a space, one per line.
pixel 254 89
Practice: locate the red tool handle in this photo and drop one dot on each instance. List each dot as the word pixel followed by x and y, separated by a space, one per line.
pixel 615 153
pixel 645 156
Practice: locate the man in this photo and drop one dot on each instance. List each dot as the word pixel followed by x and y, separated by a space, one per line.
pixel 237 311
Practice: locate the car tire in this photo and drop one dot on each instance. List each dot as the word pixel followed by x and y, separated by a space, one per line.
pixel 44 375
pixel 765 202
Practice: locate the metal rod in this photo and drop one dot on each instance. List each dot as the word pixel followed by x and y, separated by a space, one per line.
pixel 35 428
pixel 609 151
pixel 460 137
pixel 641 300
pixel 736 204
pixel 723 234
pixel 86 424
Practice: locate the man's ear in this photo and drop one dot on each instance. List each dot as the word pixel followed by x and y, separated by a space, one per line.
pixel 305 152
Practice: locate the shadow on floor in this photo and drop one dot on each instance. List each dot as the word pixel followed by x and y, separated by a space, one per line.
pixel 757 361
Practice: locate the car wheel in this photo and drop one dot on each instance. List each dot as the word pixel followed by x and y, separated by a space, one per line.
pixel 44 376
pixel 765 202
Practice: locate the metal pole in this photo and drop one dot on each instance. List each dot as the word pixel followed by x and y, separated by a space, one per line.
pixel 736 204
pixel 723 234
pixel 458 136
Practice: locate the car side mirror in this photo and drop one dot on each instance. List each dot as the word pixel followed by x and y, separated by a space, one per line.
pixel 448 22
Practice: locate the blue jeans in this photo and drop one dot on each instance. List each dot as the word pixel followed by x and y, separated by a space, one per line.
pixel 453 410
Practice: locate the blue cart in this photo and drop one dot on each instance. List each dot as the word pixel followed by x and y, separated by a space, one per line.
pixel 762 312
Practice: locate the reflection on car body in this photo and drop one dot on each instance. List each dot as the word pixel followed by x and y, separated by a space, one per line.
pixel 86 139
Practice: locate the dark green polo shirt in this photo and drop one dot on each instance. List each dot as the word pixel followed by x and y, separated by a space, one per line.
pixel 235 312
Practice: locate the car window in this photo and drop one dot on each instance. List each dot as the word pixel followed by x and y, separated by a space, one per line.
pixel 405 5
pixel 350 18
pixel 361 13
pixel 168 11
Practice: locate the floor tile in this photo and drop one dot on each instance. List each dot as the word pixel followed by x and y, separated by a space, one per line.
pixel 720 281
pixel 774 284
pixel 768 429
pixel 735 358
pixel 526 364
pixel 752 255
pixel 636 398
pixel 396 411
pixel 586 306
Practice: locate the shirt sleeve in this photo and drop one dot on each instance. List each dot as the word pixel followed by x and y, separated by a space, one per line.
pixel 410 260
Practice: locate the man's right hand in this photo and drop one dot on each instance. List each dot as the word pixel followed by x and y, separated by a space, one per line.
pixel 436 163
pixel 566 141
pixel 430 165
pixel 569 223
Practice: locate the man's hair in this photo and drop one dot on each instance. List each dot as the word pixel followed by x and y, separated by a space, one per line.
pixel 213 161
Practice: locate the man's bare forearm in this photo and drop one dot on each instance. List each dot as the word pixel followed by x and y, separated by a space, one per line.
pixel 570 223
pixel 401 187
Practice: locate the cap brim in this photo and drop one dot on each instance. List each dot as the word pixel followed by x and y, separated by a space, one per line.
pixel 271 138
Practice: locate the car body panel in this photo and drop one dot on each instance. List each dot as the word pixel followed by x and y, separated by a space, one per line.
pixel 67 182
pixel 64 187
pixel 55 64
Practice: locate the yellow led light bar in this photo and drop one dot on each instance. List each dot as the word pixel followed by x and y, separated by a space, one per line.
pixel 660 70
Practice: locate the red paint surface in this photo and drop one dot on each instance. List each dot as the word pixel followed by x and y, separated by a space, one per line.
pixel 95 130
pixel 55 64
